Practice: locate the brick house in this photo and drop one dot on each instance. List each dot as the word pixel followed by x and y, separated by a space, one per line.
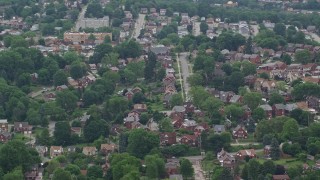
pixel 4 125
pixel 279 109
pixel 140 107
pixel 22 127
pixel 190 140
pixel 242 154
pixel 168 138
pixel 240 132
pixel 267 109
pixel 55 151
pixel 5 136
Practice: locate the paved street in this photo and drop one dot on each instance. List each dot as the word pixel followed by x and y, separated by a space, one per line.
pixel 138 26
pixel 182 59
pixel 80 17
pixel 196 164
pixel 196 29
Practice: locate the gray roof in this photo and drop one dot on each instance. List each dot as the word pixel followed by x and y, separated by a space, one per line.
pixel 159 49
pixel 84 118
pixel 178 109
pixel 6 134
pixel 3 121
pixel 234 98
pixel 280 106
pixel 266 107
pixel 220 128
pixel 290 107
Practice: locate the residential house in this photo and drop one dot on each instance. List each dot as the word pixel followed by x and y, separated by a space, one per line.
pixel 163 12
pixel 189 107
pixel 55 151
pixel 5 136
pixel 34 174
pixel 61 88
pixel 240 132
pixel 107 149
pixel 76 130
pixel 190 140
pixel 218 129
pixel 242 154
pixel 42 150
pixel 226 160
pixel 313 102
pixel 279 109
pixel 280 177
pixel 140 107
pixel 83 119
pixel 22 127
pixel 168 138
pixel 144 10
pixel 89 150
pixel 70 149
pixel 267 109
pixel 236 99
pixel 267 151
pixel 189 125
pixel 160 50
pixel 290 107
pixel 172 166
pixel 4 125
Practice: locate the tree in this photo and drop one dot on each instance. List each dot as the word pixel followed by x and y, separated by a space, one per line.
pixel 301 116
pixel 165 125
pixel 268 167
pixel 302 90
pixel 212 106
pixel 252 99
pixel 44 138
pixel 138 98
pixel 195 79
pixel 276 98
pixel 94 129
pixel 24 79
pixel 286 59
pixel 95 172
pixel 60 78
pixel 204 27
pixel 61 174
pixel 90 97
pixel 73 169
pixel 141 142
pixel 258 114
pixel 15 153
pixel 303 56
pixel 264 75
pixel 67 100
pixel 290 129
pixel 16 174
pixel 124 165
pixel 62 133
pixel 267 138
pixel 235 80
pixel 155 167
pixel 234 112
pixel 248 68
pixel 110 59
pixel 253 169
pixel 248 46
pixel 280 29
pixel 199 95
pixel 244 172
pixel 149 70
pixel 176 100
pixel 77 70
pixel 226 174
pixel 186 168
pixel 275 149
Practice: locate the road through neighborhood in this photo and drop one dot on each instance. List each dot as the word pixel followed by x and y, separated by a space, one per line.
pixel 182 59
pixel 138 26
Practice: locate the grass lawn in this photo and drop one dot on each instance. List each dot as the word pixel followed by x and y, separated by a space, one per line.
pixel 288 162
pixel 249 139
pixel 21 137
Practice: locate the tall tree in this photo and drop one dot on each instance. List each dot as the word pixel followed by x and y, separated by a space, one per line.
pixel 149 71
pixel 94 129
pixel 248 46
pixel 141 142
pixel 253 169
pixel 67 100
pixel 186 168
pixel 204 27
pixel 280 29
pixel 62 133
pixel 275 149
pixel 303 56
pixel 252 99
pixel 155 167
pixel 61 174
pixel 60 78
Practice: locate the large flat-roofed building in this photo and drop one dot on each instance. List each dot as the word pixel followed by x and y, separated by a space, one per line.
pixel 82 38
pixel 93 23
